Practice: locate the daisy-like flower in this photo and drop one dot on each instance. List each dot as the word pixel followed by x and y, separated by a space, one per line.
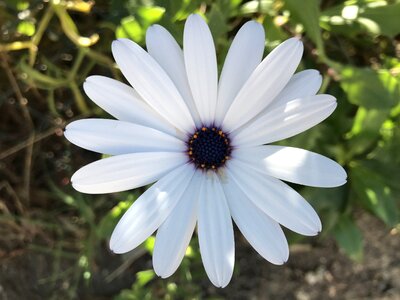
pixel 203 142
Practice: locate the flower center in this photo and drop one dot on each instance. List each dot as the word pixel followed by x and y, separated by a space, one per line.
pixel 209 148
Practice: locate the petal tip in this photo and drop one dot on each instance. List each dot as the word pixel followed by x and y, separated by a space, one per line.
pixel 153 29
pixel 195 18
pixel 113 245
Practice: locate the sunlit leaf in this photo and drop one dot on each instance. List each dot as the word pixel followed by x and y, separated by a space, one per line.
pixel 144 277
pixel 217 22
pixel 149 244
pixel 150 15
pixel 109 221
pixel 273 32
pixel 375 17
pixel 365 132
pixel 131 29
pixel 369 88
pixel 307 13
pixel 386 18
pixel 257 6
pixel 26 28
pixel 374 193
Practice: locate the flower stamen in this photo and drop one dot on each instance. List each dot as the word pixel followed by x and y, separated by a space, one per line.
pixel 209 148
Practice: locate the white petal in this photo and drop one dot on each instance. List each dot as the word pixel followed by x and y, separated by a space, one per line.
pixel 150 210
pixel 285 121
pixel 201 66
pixel 174 234
pixel 215 232
pixel 117 137
pixel 294 165
pixel 302 84
pixel 122 102
pixel 243 57
pixel 264 84
pixel 165 50
pixel 125 172
pixel 275 198
pixel 263 233
pixel 152 83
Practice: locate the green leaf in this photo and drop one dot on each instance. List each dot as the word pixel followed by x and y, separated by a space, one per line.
pixel 327 202
pixel 109 221
pixel 386 18
pixel 27 28
pixel 349 238
pixel 217 22
pixel 369 88
pixel 273 33
pixel 374 193
pixel 257 6
pixel 131 29
pixel 149 244
pixel 307 13
pixel 144 277
pixel 17 4
pixel 150 15
pixel 365 132
pixel 351 18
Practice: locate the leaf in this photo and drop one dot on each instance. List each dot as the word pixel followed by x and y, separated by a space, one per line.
pixel 130 28
pixel 365 132
pixel 144 277
pixel 149 244
pixel 349 238
pixel 369 88
pixel 327 202
pixel 257 6
pixel 273 33
pixel 307 13
pixel 374 193
pixel 217 22
pixel 350 18
pixel 150 15
pixel 19 5
pixel 27 28
pixel 386 18
pixel 387 168
pixel 109 221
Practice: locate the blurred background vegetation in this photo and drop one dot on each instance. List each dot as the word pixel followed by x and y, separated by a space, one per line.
pixel 54 240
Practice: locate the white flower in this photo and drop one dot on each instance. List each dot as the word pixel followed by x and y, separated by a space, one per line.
pixel 203 142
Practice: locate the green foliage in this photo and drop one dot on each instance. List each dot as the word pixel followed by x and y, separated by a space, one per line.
pixel 374 17
pixel 374 192
pixel 107 222
pixel 385 17
pixel 349 237
pixel 370 89
pixel 135 29
pixel 307 13
pixel 27 28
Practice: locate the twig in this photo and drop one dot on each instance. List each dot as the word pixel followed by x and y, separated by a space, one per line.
pixel 9 189
pixel 29 142
pixel 25 112
pixel 135 255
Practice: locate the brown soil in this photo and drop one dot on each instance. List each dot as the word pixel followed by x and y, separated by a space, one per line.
pixel 320 271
